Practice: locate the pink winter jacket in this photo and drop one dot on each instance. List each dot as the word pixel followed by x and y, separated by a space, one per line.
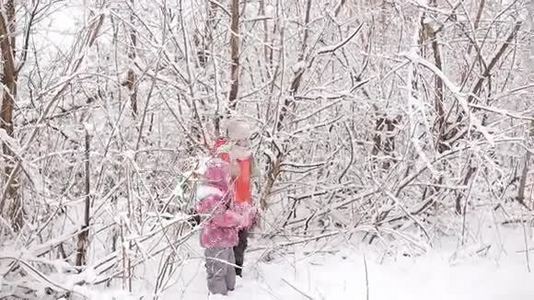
pixel 220 230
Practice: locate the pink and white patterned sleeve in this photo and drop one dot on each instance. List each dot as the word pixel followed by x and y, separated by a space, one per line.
pixel 227 219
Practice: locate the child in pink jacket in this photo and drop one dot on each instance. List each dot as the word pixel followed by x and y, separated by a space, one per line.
pixel 220 229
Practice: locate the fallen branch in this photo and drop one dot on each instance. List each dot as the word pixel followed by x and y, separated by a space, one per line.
pixel 38 275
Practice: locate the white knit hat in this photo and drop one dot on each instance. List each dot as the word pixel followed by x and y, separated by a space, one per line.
pixel 237 129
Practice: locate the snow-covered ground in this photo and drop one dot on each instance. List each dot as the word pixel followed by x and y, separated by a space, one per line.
pixel 476 272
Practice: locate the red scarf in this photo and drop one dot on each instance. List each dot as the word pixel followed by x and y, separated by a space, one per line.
pixel 242 184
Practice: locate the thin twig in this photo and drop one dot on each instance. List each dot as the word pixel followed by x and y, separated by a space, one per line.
pixel 297 289
pixel 366 278
pixel 333 48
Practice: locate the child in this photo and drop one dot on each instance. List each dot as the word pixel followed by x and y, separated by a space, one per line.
pixel 220 230
pixel 235 150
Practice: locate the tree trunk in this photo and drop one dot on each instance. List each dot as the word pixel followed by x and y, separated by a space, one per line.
pixel 458 202
pixel 523 179
pixel 9 79
pixel 530 129
pixel 206 40
pixel 431 34
pixel 132 77
pixel 234 44
pixel 384 139
pixel 83 237
pixel 297 79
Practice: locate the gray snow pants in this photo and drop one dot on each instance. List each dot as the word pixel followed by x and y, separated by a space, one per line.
pixel 221 274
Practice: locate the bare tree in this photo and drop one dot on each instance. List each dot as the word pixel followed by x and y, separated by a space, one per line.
pixel 234 48
pixel 83 236
pixel 131 81
pixel 9 81
pixel 523 181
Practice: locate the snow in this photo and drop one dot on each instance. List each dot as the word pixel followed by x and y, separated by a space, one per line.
pixel 446 272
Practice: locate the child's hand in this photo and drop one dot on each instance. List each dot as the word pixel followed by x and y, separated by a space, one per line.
pixel 248 214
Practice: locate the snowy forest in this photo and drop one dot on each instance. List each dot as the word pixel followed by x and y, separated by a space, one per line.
pixel 392 138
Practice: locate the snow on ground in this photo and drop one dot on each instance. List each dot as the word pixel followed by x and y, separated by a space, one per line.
pixel 443 273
